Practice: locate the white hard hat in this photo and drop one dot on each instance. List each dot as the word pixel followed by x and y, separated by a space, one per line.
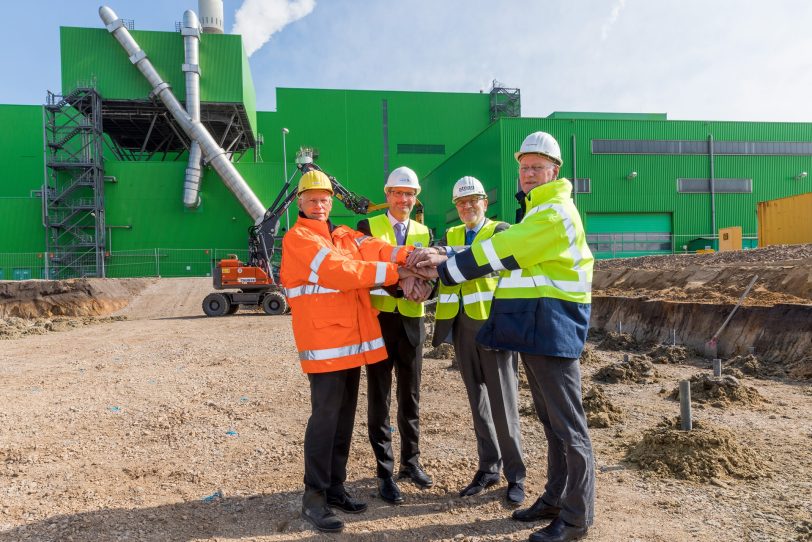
pixel 467 186
pixel 540 143
pixel 402 177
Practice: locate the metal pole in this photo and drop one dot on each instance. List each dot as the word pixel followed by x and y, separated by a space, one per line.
pixel 157 264
pixel 712 188
pixel 686 422
pixel 285 132
pixel 673 337
pixel 574 175
pixel 717 367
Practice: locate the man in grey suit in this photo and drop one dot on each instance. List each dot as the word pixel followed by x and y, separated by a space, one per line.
pixel 490 376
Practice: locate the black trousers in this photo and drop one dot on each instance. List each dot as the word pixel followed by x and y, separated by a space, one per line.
pixel 404 338
pixel 333 398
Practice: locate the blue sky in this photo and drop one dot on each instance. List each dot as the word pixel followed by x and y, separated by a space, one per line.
pixel 692 59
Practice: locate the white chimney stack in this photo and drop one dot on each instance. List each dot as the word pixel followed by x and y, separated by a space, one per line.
pixel 211 16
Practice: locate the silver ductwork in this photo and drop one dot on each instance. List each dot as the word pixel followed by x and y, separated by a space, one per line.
pixel 191 46
pixel 214 154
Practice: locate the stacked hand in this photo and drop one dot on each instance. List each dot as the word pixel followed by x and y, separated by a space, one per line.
pixel 419 270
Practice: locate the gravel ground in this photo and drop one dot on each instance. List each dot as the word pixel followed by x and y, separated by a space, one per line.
pixel 172 426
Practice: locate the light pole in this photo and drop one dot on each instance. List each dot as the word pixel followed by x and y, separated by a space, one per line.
pixel 285 132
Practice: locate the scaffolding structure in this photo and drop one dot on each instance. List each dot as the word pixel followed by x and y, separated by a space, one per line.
pixel 73 196
pixel 505 102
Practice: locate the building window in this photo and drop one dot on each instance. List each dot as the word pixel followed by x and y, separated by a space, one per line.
pixel 629 242
pixel 582 186
pixel 420 148
pixel 721 186
pixel 692 147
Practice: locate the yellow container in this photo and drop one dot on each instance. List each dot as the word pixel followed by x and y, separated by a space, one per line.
pixel 785 221
pixel 730 239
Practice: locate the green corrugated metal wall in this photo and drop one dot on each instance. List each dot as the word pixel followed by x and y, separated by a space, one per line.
pixel 91 56
pixel 21 173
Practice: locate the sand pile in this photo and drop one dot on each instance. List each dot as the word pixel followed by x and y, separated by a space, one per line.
pixel 801 369
pixel 444 351
pixel 600 411
pixel 752 365
pixel 666 353
pixel 73 297
pixel 588 355
pixel 637 369
pixel 618 341
pixel 720 391
pixel 704 454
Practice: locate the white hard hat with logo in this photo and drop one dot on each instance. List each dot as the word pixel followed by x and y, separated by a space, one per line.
pixel 402 177
pixel 467 186
pixel 540 143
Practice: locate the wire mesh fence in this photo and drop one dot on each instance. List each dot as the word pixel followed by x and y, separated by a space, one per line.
pixel 153 262
pixel 200 262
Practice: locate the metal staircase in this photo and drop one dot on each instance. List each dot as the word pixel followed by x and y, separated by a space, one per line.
pixel 73 198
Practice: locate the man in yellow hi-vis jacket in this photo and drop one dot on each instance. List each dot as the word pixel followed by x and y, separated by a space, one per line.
pixel 490 375
pixel 541 309
pixel 403 332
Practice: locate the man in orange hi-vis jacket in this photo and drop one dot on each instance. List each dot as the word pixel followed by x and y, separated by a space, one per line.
pixel 327 272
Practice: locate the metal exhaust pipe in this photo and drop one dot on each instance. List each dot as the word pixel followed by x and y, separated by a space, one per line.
pixel 214 154
pixel 191 46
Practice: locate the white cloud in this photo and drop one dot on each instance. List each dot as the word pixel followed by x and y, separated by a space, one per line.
pixel 258 20
pixel 616 9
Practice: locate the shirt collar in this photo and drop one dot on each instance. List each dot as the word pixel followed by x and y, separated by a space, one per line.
pixel 478 227
pixel 393 220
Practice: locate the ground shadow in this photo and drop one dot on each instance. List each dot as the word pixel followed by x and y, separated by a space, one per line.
pixel 262 515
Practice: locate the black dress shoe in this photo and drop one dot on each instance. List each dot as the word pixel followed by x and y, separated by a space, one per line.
pixel 539 510
pixel 559 531
pixel 515 493
pixel 344 502
pixel 389 490
pixel 481 481
pixel 417 475
pixel 315 510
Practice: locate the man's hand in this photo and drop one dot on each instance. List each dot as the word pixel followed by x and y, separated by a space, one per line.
pixel 415 289
pixel 422 254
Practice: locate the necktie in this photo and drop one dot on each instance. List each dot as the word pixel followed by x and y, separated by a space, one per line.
pixel 400 233
pixel 469 236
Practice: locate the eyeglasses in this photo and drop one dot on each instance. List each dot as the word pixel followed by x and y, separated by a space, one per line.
pixel 535 169
pixel 402 194
pixel 468 202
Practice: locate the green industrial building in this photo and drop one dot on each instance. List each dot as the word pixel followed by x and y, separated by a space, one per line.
pixel 92 183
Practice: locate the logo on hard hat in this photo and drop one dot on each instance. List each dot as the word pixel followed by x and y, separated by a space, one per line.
pixel 466 188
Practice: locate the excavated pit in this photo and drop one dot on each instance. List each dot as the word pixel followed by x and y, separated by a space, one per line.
pixel 654 298
pixel 72 298
pixel 703 454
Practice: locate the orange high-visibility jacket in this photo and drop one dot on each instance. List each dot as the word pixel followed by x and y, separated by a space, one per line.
pixel 327 276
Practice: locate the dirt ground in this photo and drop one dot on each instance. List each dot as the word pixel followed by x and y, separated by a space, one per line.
pixel 157 423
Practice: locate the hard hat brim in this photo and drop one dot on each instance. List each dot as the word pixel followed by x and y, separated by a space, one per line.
pixel 554 160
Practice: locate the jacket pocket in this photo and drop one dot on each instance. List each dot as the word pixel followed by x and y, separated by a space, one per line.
pixel 511 325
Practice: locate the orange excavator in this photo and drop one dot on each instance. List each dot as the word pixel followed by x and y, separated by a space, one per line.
pixel 256 282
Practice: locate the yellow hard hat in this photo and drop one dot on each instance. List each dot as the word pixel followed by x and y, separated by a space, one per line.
pixel 314 180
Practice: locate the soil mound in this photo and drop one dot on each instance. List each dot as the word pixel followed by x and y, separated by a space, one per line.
pixel 600 411
pixel 704 454
pixel 752 365
pixel 444 351
pixel 801 369
pixel 73 297
pixel 637 369
pixel 14 328
pixel 588 355
pixel 720 391
pixel 666 353
pixel 618 341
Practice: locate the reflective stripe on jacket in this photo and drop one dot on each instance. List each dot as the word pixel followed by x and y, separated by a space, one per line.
pixel 476 294
pixel 542 305
pixel 418 235
pixel 327 276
